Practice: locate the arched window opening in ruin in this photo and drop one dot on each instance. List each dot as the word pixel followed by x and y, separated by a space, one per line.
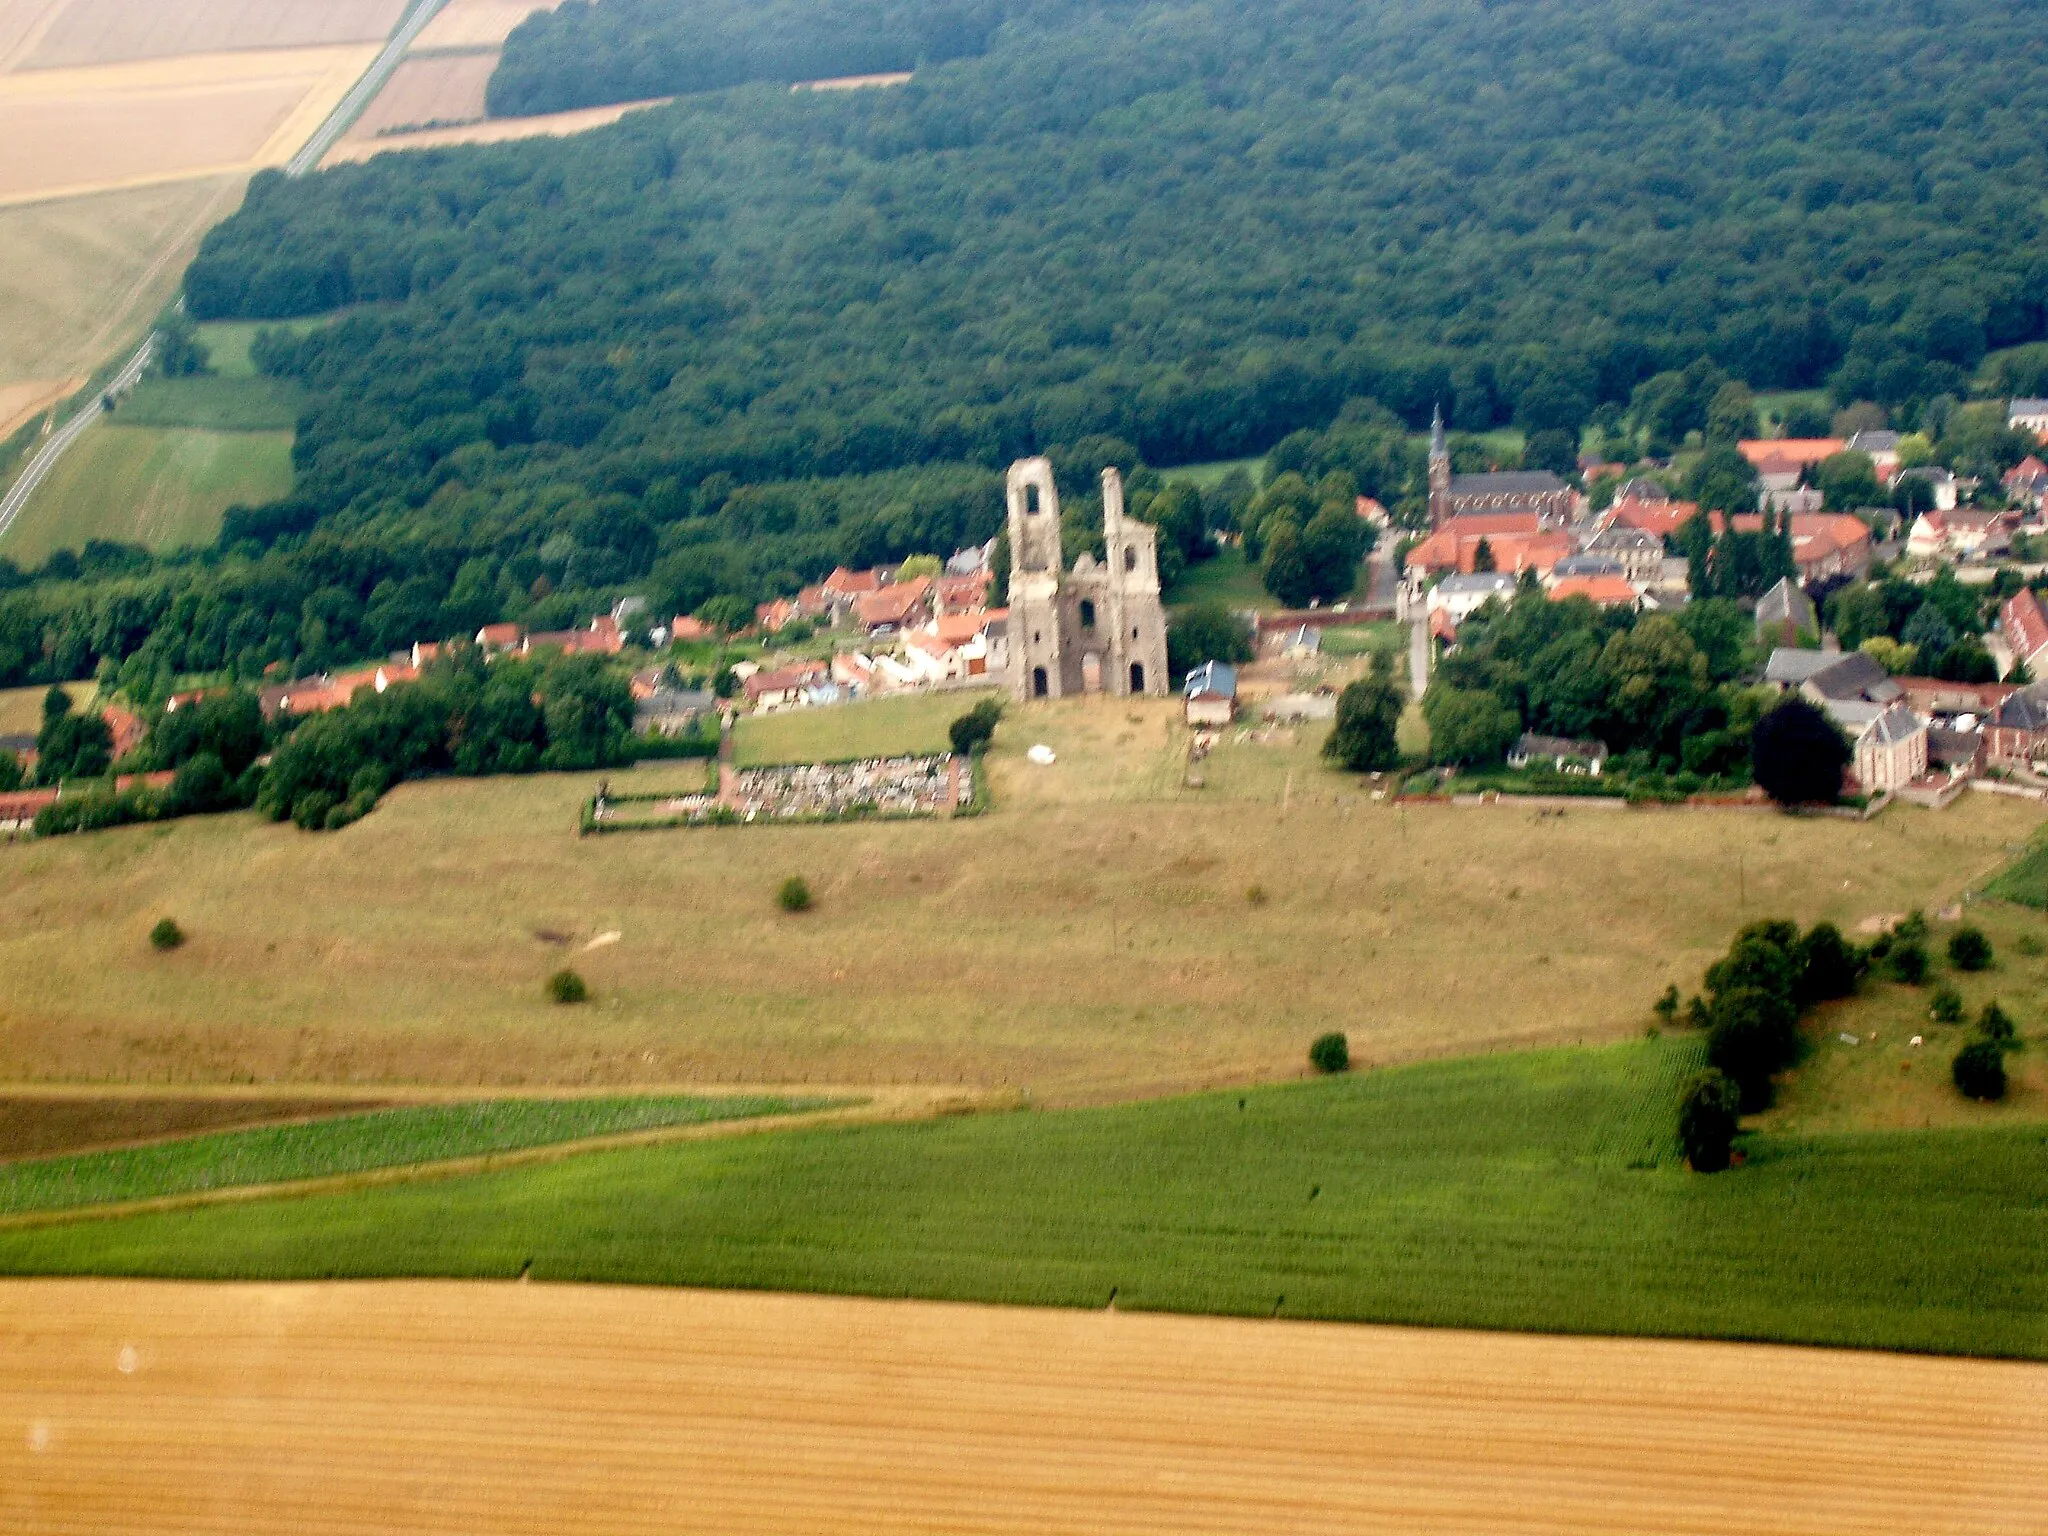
pixel 1038 682
pixel 1137 677
pixel 1087 614
pixel 1130 558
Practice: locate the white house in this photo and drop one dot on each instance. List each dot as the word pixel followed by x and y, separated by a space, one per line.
pixel 1460 597
pixel 1211 694
pixel 2028 416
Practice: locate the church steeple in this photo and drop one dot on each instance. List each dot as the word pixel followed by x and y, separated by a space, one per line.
pixel 1439 471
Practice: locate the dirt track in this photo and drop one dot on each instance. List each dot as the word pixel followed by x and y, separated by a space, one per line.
pixel 131 1407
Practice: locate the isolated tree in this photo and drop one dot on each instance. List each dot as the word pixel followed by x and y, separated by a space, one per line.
pixel 1708 1117
pixel 1907 961
pixel 1287 573
pixel 1666 1006
pixel 1797 755
pixel 1979 1070
pixel 1995 1024
pixel 1330 1053
pixel 1968 949
pixel 972 731
pixel 565 987
pixel 1828 965
pixel 1362 738
pixel 1332 544
pixel 794 894
pixel 1945 1005
pixel 166 934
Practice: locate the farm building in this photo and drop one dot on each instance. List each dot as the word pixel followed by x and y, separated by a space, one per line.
pixel 1212 694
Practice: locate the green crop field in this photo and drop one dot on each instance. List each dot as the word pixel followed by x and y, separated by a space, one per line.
pixel 386 1138
pixel 908 724
pixel 1533 1191
pixel 143 485
pixel 213 403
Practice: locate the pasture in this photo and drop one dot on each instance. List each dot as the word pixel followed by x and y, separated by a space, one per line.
pixel 227 341
pixel 904 726
pixel 1097 936
pixel 164 488
pixel 213 403
pixel 575 1409
pixel 1531 1190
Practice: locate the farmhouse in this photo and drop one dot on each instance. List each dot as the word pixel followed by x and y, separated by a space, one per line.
pixel 1559 754
pixel 1211 694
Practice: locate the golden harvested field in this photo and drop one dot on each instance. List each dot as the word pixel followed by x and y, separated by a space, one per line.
pixel 452 1407
pixel 436 88
pixel 21 402
pixel 495 130
pixel 114 31
pixel 67 132
pixel 80 277
pixel 477 23
pixel 1094 937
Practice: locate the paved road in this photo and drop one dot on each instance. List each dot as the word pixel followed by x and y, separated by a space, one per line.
pixel 47 456
pixel 350 106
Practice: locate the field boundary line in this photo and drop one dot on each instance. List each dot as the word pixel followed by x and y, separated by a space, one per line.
pixel 867 1113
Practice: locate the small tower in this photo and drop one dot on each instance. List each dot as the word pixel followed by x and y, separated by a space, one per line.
pixel 1439 472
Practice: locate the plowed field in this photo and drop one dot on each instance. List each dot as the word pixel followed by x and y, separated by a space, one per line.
pixel 465 1408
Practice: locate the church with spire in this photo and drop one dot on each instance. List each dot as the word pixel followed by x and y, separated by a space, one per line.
pixel 1528 492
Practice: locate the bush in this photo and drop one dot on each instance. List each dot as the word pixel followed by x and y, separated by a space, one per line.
pixel 1995 1024
pixel 793 895
pixel 1707 1120
pixel 166 934
pixel 973 730
pixel 1979 1071
pixel 1968 949
pixel 1946 1006
pixel 1828 964
pixel 1330 1053
pixel 566 986
pixel 1907 961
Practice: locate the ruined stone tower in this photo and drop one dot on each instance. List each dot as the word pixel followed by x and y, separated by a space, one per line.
pixel 1096 628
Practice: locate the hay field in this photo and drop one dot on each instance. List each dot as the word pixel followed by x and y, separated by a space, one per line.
pixel 1091 938
pixel 441 88
pixel 81 276
pixel 495 130
pixel 477 23
pixel 161 487
pixel 67 132
pixel 909 724
pixel 115 31
pixel 22 402
pixel 136 1408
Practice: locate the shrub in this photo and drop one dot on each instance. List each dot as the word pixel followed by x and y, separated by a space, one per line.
pixel 1707 1120
pixel 1797 755
pixel 1979 1070
pixel 565 986
pixel 1968 949
pixel 1828 964
pixel 1330 1053
pixel 1995 1024
pixel 1666 1007
pixel 166 934
pixel 1255 895
pixel 1912 926
pixel 793 895
pixel 1945 1006
pixel 1908 961
pixel 973 730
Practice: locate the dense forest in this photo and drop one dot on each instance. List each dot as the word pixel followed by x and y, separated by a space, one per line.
pixel 726 343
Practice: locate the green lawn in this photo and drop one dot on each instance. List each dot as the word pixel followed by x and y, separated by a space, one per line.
pixel 214 403
pixel 1206 475
pixel 913 723
pixel 144 485
pixel 1223 578
pixel 349 1144
pixel 1771 405
pixel 1532 1191
pixel 1364 639
pixel 2025 880
pixel 227 341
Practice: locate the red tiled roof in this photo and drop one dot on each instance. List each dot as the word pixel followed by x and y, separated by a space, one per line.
pixel 845 583
pixel 1789 452
pixel 1451 547
pixel 686 628
pixel 783 679
pixel 1604 591
pixel 892 605
pixel 1662 518
pixel 2025 625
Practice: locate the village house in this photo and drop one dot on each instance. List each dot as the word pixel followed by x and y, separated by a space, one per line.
pixel 1659 516
pixel 1610 591
pixel 2016 734
pixel 682 627
pixel 894 607
pixel 1513 540
pixel 2026 483
pixel 667 711
pixel 1459 597
pixel 2025 627
pixel 1559 754
pixel 1785 614
pixel 498 637
pixel 602 638
pixel 1824 677
pixel 1211 694
pixel 1956 535
pixel 1889 743
pixel 1638 553
pixel 1881 448
pixel 2028 415
pixel 790 687
pixel 1941 483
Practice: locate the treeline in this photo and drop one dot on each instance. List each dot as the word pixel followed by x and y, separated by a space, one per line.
pixel 328 770
pixel 584 55
pixel 576 365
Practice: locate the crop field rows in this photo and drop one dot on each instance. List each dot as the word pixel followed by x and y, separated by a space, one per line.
pixel 231 1409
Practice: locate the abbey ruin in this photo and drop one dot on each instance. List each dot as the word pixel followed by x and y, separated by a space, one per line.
pixel 1097 628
